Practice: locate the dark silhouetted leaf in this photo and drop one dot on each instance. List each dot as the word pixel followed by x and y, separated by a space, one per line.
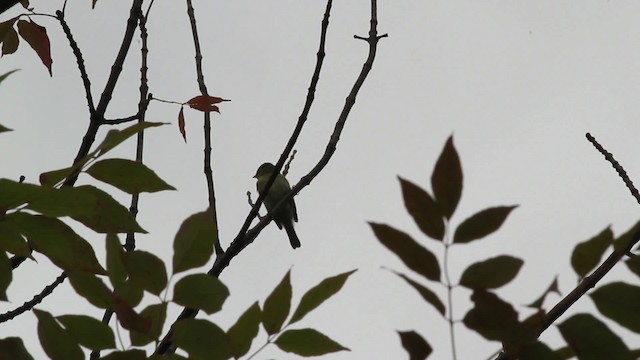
pixel 13 348
pixel 11 240
pixel 245 330
pixel 56 342
pixel 157 313
pixel 89 332
pixel 193 244
pixel 417 347
pixel 319 294
pixel 6 75
pixel 417 258
pixel 623 240
pixel 146 271
pixel 181 124
pixel 127 175
pixel 200 291
pixel 205 103
pixel 446 179
pixel 491 317
pixel 277 306
pixel 587 255
pixel 307 342
pixel 633 263
pixel 481 224
pixel 58 242
pixel 129 319
pixel 36 36
pixel 491 273
pixel 591 339
pixel 135 354
pixel 423 209
pixel 202 339
pixel 428 295
pixel 8 36
pixel 91 288
pixel 5 275
pixel 538 351
pixel 14 194
pixel 619 302
pixel 4 129
pixel 540 300
pixel 117 272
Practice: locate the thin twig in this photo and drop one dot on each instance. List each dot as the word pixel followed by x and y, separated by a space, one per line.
pixel 121 120
pixel 35 301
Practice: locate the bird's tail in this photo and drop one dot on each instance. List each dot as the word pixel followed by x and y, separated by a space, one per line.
pixel 291 232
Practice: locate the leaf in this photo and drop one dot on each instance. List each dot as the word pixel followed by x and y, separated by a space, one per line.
pixel 11 239
pixel 181 124
pixel 587 255
pixel 424 210
pixel 491 317
pixel 202 339
pixel 89 332
pixel 128 318
pixel 553 287
pixel 55 341
pixel 319 294
pixel 446 179
pixel 135 354
pixel 481 224
pixel 4 129
pixel 14 194
pixel 129 176
pixel 116 137
pixel 623 240
pixel 633 263
pixel 5 275
pixel 58 242
pixel 118 274
pixel 428 295
pixel 277 305
pixel 91 288
pixel 245 330
pixel 417 347
pixel 591 339
pixel 5 75
pixel 619 302
pixel 200 291
pixel 13 348
pixel 538 351
pixel 8 36
pixel 307 342
pixel 491 273
pixel 157 313
pixel 146 271
pixel 193 244
pixel 414 256
pixel 52 178
pixel 205 103
pixel 36 36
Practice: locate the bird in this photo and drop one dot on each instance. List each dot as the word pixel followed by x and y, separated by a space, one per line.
pixel 287 214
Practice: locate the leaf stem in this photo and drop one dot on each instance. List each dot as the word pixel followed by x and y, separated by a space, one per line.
pixel 447 278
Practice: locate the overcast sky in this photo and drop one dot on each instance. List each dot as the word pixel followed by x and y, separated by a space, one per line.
pixel 517 83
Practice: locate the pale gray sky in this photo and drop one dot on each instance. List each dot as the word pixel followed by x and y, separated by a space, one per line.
pixel 517 83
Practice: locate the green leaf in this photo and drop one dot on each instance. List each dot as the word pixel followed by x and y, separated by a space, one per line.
pixel 446 179
pixel 587 255
pixel 89 332
pixel 91 288
pixel 633 263
pixel 146 271
pixel 553 287
pixel 423 209
pixel 5 275
pixel 491 273
pixel 129 318
pixel 491 317
pixel 58 242
pixel 319 294
pixel 245 330
pixel 481 224
pixel 5 75
pixel 56 342
pixel 13 348
pixel 202 339
pixel 14 194
pixel 307 342
pixel 158 314
pixel 135 354
pixel 127 175
pixel 54 177
pixel 277 305
pixel 11 240
pixel 200 291
pixel 619 302
pixel 414 256
pixel 4 129
pixel 538 351
pixel 417 347
pixel 193 244
pixel 167 357
pixel 591 339
pixel 428 295
pixel 115 260
pixel 623 240
pixel 116 137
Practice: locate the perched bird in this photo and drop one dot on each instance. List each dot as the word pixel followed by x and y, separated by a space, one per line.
pixel 287 214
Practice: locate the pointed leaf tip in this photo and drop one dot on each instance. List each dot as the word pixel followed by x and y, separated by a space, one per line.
pixel 446 179
pixel 482 224
pixel 423 209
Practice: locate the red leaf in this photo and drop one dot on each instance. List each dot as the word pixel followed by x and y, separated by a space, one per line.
pixel 8 37
pixel 183 131
pixel 205 103
pixel 129 319
pixel 37 38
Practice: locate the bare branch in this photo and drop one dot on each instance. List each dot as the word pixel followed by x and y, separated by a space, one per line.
pixel 33 302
